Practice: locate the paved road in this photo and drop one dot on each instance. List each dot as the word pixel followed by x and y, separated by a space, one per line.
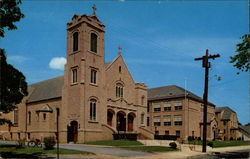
pixel 104 150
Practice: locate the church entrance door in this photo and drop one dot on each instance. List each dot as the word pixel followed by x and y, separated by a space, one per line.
pixel 72 132
pixel 121 121
pixel 110 117
pixel 131 117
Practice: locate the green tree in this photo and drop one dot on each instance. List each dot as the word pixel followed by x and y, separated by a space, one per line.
pixel 9 14
pixel 241 59
pixel 13 86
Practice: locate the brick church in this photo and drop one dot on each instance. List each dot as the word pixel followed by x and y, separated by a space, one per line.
pixel 93 99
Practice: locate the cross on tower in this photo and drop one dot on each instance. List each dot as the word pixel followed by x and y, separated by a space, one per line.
pixel 120 49
pixel 94 9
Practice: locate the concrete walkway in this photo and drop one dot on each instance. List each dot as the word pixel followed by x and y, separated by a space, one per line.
pixel 106 150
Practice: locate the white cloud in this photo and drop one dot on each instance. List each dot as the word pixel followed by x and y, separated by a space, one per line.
pixel 16 58
pixel 57 63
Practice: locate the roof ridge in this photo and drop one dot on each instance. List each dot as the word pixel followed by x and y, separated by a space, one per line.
pixel 45 81
pixel 164 86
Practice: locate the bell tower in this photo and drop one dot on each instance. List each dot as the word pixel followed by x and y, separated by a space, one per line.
pixel 84 77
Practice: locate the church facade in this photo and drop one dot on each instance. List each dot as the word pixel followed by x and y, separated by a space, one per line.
pixel 92 101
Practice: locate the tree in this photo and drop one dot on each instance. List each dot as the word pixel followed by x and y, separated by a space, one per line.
pixel 9 14
pixel 241 59
pixel 13 86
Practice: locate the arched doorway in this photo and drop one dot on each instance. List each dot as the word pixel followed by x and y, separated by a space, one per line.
pixel 110 115
pixel 121 121
pixel 131 117
pixel 72 132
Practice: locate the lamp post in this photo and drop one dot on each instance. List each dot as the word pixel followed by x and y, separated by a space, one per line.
pixel 57 131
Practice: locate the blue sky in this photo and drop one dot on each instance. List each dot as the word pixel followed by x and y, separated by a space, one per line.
pixel 160 40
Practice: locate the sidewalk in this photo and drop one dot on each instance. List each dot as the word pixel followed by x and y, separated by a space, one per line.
pixel 170 155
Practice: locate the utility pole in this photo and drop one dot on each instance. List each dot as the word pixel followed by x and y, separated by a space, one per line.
pixel 206 65
pixel 57 131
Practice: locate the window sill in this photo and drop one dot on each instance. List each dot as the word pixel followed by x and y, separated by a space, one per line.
pixel 92 121
pixel 74 52
pixel 72 84
pixel 93 84
pixel 94 53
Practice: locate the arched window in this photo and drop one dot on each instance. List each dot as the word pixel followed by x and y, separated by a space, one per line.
pixel 93 42
pixel 75 41
pixel 119 90
pixel 92 109
pixel 142 118
pixel 44 116
pixel 29 117
pixel 120 69
pixel 142 100
pixel 15 117
pixel 93 76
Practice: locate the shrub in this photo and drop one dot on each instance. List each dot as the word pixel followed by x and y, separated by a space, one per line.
pixel 49 143
pixel 231 138
pixel 20 143
pixel 199 138
pixel 190 138
pixel 173 145
pixel 211 144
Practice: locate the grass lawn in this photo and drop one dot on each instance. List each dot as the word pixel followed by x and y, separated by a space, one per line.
pixel 150 148
pixel 230 143
pixel 132 145
pixel 222 143
pixel 116 143
pixel 35 150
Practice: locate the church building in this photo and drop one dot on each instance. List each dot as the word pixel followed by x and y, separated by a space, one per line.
pixel 93 99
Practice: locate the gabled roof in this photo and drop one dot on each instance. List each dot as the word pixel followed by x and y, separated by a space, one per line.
pixel 226 112
pixel 45 108
pixel 48 89
pixel 245 130
pixel 170 92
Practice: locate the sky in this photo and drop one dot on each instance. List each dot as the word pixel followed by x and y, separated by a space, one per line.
pixel 159 41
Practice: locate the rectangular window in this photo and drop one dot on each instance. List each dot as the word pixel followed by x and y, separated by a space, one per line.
pixel 157 109
pixel 178 107
pixel 167 108
pixel 15 117
pixel 178 133
pixel 148 121
pixel 178 120
pixel 148 108
pixel 178 123
pixel 166 132
pixel 93 76
pixel 157 121
pixel 167 123
pixel 156 132
pixel 167 120
pixel 157 106
pixel 74 75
